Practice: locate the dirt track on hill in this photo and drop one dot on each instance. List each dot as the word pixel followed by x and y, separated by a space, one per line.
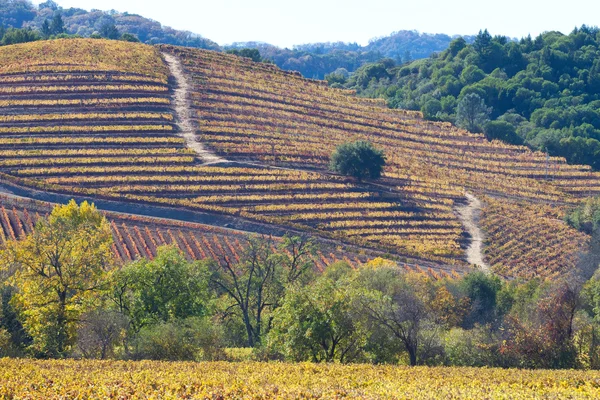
pixel 469 215
pixel 183 112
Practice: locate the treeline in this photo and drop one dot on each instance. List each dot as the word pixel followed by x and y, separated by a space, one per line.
pixel 543 92
pixel 311 60
pixel 23 17
pixel 62 296
pixel 319 59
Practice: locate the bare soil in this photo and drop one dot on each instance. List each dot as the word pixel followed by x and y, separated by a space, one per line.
pixel 469 216
pixel 183 112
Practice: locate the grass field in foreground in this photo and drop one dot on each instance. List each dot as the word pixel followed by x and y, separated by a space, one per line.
pixel 20 379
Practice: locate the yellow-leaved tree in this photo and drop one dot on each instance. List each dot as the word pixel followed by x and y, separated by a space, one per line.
pixel 58 271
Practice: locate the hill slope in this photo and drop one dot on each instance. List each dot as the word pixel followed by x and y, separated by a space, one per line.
pixel 105 127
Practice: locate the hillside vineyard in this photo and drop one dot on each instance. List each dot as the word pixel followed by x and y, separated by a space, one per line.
pixel 97 118
pixel 137 236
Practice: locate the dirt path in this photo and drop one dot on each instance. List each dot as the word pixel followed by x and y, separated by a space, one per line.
pixel 469 215
pixel 183 111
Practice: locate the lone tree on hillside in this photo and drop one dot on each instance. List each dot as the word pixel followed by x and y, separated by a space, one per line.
pixel 358 159
pixel 472 113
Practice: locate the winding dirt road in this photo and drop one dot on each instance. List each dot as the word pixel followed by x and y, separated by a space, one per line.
pixel 183 112
pixel 469 215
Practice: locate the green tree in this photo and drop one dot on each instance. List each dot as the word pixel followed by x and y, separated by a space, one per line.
pixel 586 217
pixel 472 113
pixel 399 304
pixel 431 109
pixel 252 54
pixel 190 339
pixel 253 287
pixel 456 46
pixel 109 31
pixel 46 30
pixel 58 271
pixel 57 26
pixel 358 159
pixel 482 289
pixel 15 36
pixel 502 130
pixel 130 37
pixel 161 290
pixel 319 322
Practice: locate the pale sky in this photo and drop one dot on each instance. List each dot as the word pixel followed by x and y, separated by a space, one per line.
pixel 286 23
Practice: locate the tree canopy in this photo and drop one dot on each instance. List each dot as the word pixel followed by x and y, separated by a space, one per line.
pixel 547 88
pixel 57 271
pixel 358 159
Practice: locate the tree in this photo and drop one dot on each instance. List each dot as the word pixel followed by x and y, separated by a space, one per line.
pixel 129 37
pixel 109 31
pixel 358 159
pixel 483 290
pixel 48 4
pixel 253 287
pixel 502 130
pixel 252 54
pixel 398 304
pixel 58 270
pixel 57 26
pixel 161 290
pixel 190 339
pixel 431 109
pixel 456 46
pixel 472 113
pixel 319 323
pixel 99 332
pixel 15 36
pixel 46 30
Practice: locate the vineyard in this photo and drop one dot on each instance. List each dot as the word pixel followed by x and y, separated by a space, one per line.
pixel 256 113
pixel 99 118
pixel 137 236
pixel 526 240
pixel 219 380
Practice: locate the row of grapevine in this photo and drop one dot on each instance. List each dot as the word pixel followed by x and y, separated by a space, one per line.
pixel 138 236
pixel 524 240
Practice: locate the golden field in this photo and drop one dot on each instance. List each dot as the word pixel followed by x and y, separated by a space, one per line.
pixel 29 379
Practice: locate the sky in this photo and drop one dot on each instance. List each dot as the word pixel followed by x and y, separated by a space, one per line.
pixel 287 23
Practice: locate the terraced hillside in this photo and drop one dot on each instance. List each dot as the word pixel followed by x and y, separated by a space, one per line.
pixel 138 236
pixel 108 120
pixel 256 113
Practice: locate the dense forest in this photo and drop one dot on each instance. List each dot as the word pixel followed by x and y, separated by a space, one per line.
pixel 318 59
pixel 23 14
pixel 312 60
pixel 542 92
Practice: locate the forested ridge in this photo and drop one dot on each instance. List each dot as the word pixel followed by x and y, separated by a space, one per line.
pixel 312 60
pixel 541 91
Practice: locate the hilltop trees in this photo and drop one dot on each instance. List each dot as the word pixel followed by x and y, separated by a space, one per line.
pixel 550 82
pixel 472 114
pixel 55 27
pixel 252 54
pixel 358 159
pixel 57 271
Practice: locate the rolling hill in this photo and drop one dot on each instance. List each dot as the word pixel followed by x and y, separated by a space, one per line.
pixel 246 144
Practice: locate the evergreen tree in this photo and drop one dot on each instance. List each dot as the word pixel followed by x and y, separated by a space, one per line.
pixel 57 26
pixel 472 113
pixel 46 29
